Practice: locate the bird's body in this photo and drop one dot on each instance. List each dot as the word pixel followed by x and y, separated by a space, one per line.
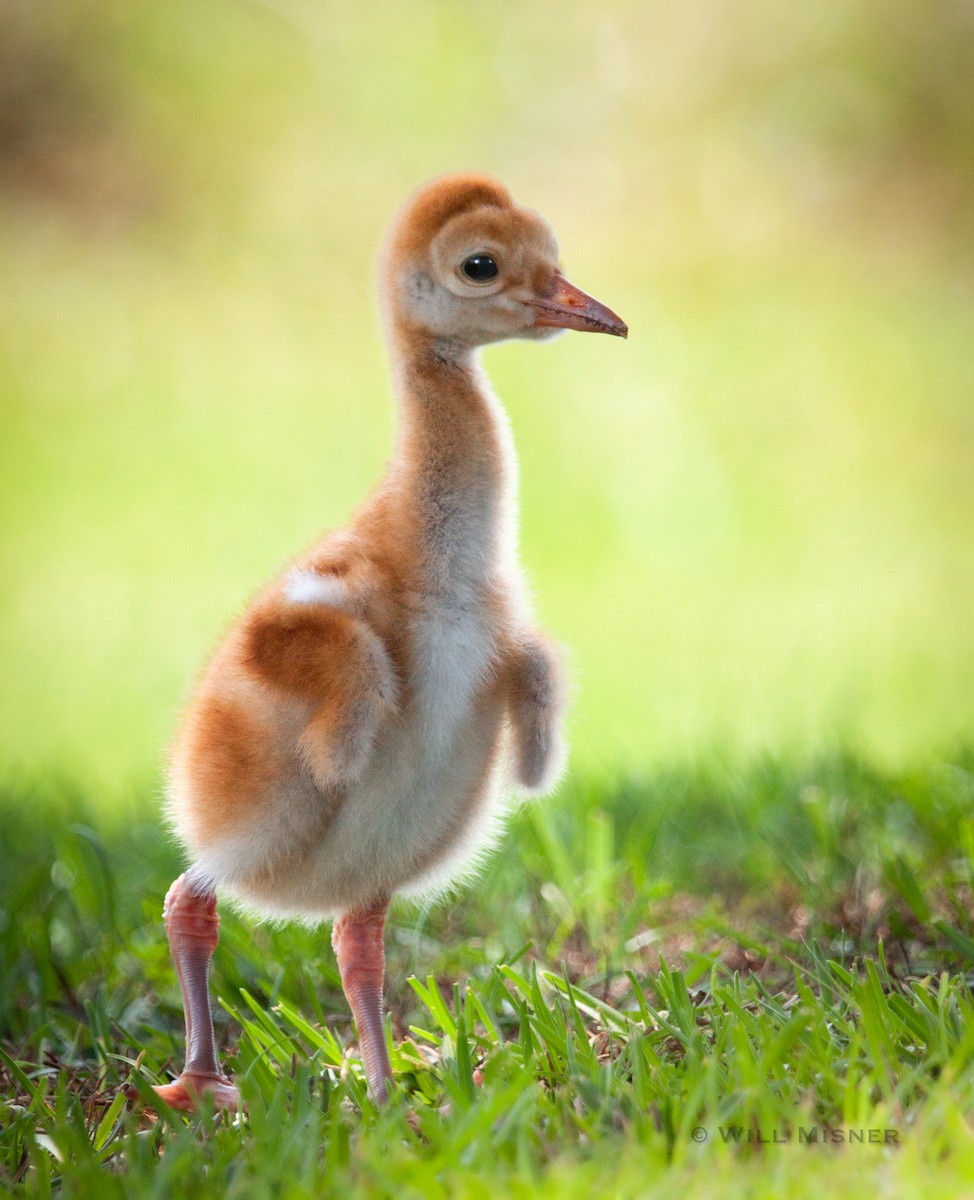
pixel 426 579
pixel 355 734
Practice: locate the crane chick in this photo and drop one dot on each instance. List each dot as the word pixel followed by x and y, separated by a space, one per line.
pixel 353 736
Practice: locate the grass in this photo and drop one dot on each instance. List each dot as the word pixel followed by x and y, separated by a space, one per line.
pixel 652 985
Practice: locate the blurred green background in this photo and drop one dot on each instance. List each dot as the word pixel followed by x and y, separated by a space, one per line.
pixel 751 524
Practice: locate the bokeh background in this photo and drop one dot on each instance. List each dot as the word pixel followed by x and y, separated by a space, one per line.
pixel 751 524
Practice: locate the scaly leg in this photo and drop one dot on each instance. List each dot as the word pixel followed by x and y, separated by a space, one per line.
pixel 192 926
pixel 357 938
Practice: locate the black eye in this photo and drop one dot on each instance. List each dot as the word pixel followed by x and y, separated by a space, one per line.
pixel 479 267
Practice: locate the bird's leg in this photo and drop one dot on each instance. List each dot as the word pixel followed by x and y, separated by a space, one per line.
pixel 357 938
pixel 192 926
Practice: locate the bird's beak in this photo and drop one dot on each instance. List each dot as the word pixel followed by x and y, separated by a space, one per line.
pixel 568 307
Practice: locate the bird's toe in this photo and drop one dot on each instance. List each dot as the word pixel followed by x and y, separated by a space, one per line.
pixel 187 1092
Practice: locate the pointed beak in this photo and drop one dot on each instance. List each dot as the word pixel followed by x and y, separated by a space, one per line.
pixel 568 307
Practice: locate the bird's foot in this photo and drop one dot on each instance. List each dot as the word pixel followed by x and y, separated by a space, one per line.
pixel 186 1093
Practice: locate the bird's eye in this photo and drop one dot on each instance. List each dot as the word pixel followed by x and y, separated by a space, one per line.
pixel 479 268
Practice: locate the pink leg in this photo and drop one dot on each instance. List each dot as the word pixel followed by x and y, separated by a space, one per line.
pixel 357 938
pixel 193 930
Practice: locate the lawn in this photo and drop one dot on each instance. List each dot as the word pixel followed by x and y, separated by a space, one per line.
pixel 729 981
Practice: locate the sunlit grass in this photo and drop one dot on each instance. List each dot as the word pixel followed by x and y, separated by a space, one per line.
pixel 648 979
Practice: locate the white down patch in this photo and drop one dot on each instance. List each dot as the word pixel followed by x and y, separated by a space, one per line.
pixel 307 587
pixel 454 649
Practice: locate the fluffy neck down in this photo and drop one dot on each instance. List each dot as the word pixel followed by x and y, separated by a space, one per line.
pixel 454 474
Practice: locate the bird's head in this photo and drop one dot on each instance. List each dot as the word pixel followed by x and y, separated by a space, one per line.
pixel 465 264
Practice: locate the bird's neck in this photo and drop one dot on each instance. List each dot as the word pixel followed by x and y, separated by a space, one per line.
pixel 454 474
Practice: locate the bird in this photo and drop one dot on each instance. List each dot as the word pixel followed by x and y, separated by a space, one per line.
pixel 358 733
